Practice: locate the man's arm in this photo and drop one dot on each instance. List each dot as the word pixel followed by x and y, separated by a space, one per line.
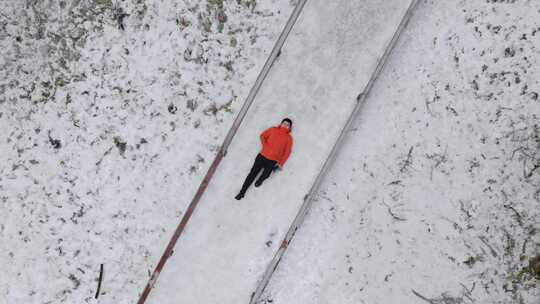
pixel 264 135
pixel 286 153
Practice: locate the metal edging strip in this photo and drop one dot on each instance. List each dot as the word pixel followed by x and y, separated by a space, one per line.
pixel 308 199
pixel 223 150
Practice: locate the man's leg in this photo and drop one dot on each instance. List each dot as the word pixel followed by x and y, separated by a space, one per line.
pixel 257 166
pixel 268 168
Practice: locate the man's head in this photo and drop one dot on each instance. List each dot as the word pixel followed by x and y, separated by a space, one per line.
pixel 287 123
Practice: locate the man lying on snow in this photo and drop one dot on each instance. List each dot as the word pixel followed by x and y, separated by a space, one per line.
pixel 276 147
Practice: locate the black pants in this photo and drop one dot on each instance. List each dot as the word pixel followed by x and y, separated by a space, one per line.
pixel 261 163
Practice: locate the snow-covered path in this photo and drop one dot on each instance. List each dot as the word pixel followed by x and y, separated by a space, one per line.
pixel 430 198
pixel 224 250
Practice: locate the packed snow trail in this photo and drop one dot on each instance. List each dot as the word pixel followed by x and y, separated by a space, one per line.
pixel 276 50
pixel 328 60
pixel 299 219
pixel 402 216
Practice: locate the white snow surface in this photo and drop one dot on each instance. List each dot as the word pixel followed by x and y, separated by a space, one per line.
pixel 329 57
pixel 434 197
pixel 107 132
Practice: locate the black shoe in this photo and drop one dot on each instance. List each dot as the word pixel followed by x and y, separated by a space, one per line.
pixel 258 183
pixel 239 196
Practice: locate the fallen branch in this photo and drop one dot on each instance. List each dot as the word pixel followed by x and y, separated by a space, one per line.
pixel 407 162
pixel 524 246
pixel 462 207
pixel 518 215
pixel 422 297
pixel 443 299
pixel 493 252
pixel 394 216
pixel 99 280
pixel 536 166
pixel 102 157
pixel 468 293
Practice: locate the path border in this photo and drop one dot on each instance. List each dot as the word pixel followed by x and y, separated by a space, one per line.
pixel 308 199
pixel 222 150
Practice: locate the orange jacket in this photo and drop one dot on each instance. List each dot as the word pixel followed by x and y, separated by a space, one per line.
pixel 276 144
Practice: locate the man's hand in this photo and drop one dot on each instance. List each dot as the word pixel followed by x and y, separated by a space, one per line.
pixel 276 168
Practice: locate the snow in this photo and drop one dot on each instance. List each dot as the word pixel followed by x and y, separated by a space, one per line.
pixel 227 244
pixel 107 133
pixel 431 198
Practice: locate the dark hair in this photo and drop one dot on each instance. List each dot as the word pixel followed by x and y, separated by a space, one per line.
pixel 287 120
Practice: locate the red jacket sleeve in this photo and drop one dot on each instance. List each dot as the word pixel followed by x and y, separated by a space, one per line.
pixel 286 152
pixel 264 135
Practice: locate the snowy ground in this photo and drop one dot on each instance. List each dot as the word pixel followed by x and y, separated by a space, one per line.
pixel 110 114
pixel 435 196
pixel 109 121
pixel 329 56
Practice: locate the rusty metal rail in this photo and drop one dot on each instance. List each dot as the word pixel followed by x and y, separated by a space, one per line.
pixel 222 151
pixel 308 199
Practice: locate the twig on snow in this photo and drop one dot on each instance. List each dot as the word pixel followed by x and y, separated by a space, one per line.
pixel 104 154
pixel 407 162
pixel 518 216
pixel 493 252
pixel 99 280
pixel 394 216
pixel 422 297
